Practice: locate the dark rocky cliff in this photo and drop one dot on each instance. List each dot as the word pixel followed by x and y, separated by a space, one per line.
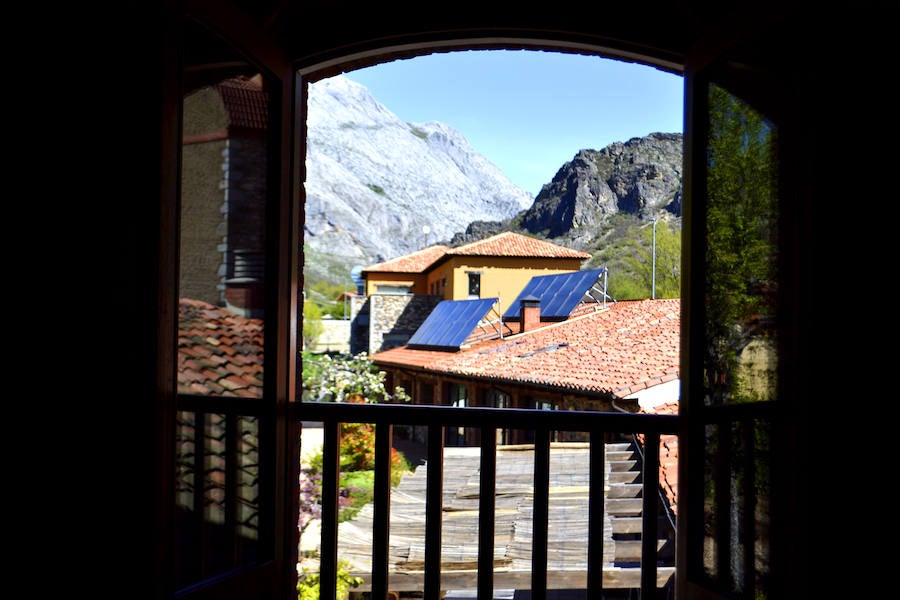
pixel 641 178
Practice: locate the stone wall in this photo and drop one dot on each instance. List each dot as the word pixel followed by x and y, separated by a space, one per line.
pixel 335 336
pixel 385 321
pixel 223 200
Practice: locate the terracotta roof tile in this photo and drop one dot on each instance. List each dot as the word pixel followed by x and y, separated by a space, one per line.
pixel 668 456
pixel 509 243
pixel 246 103
pixel 417 262
pixel 630 346
pixel 625 348
pixel 218 352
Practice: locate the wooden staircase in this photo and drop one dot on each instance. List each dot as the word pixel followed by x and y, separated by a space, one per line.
pixel 567 527
pixel 624 507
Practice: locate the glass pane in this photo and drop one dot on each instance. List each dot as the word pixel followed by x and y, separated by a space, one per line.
pixel 736 508
pixel 248 490
pixel 218 457
pixel 187 474
pixel 741 222
pixel 217 493
pixel 222 253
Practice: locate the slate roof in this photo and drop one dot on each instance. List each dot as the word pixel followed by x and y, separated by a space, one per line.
pixel 625 348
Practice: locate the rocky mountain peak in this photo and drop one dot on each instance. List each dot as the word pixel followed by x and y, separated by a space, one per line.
pixel 641 177
pixel 378 187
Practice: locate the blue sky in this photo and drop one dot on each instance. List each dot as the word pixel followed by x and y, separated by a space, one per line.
pixel 530 112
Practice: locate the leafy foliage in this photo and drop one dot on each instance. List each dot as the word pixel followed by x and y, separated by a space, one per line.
pixel 311 496
pixel 377 189
pixel 357 447
pixel 626 250
pixel 357 490
pixel 326 296
pixel 740 254
pixel 418 132
pixel 312 325
pixel 308 583
pixel 345 379
pixel 358 450
pixel 310 499
pixel 326 268
pixel 667 274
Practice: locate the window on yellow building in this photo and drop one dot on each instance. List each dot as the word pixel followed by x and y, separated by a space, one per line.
pixel 474 285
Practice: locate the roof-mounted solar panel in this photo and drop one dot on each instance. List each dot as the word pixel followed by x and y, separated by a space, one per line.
pixel 559 294
pixel 450 323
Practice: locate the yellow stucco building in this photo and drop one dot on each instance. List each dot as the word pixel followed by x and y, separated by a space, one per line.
pixel 496 267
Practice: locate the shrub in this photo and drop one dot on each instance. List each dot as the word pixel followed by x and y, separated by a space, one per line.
pixel 346 379
pixel 308 583
pixel 357 447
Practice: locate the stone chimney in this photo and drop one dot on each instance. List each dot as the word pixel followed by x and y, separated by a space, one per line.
pixel 529 314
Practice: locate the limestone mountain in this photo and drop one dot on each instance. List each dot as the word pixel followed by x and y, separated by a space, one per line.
pixel 378 187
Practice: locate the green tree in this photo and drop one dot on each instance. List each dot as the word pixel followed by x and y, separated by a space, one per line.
pixel 325 294
pixel 308 584
pixel 666 280
pixel 312 324
pixel 741 221
pixel 346 378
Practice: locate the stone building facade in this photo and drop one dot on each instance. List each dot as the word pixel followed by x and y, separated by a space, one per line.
pixel 384 321
pixel 224 191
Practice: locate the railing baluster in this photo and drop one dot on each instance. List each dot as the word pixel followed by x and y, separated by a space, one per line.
pixel 649 515
pixel 230 492
pixel 722 490
pixel 381 528
pixel 201 443
pixel 486 511
pixel 596 514
pixel 748 526
pixel 434 500
pixel 540 514
pixel 331 467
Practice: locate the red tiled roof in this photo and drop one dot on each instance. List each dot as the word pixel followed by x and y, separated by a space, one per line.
pixel 506 244
pixel 246 103
pixel 668 456
pixel 628 347
pixel 417 262
pixel 509 243
pixel 218 352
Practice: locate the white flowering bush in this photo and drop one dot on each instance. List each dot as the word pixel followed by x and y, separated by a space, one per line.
pixel 346 379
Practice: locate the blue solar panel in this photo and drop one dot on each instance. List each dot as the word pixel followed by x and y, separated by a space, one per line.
pixel 450 323
pixel 559 294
